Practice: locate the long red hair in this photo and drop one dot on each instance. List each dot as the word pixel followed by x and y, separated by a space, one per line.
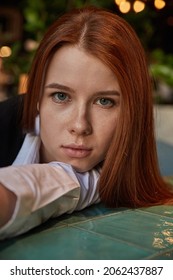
pixel 130 175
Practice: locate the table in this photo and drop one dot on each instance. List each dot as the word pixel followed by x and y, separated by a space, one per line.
pixel 101 233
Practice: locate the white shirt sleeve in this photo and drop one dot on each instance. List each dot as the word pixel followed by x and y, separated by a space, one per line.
pixel 44 191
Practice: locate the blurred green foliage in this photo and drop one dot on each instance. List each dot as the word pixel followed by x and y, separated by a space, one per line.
pixel 39 14
pixel 162 67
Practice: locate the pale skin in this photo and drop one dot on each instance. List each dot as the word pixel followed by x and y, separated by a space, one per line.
pixel 79 109
pixel 78 112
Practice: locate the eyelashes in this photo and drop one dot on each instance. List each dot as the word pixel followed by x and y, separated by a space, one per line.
pixel 104 102
pixel 60 97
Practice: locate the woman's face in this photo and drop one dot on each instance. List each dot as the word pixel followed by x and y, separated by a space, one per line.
pixel 78 110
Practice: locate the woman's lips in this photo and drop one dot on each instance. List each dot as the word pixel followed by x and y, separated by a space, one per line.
pixel 76 151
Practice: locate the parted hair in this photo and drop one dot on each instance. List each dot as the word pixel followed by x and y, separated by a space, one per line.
pixel 130 174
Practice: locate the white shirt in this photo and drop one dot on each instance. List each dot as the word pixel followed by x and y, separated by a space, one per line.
pixel 44 190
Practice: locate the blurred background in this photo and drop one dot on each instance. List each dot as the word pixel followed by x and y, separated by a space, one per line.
pixel 23 23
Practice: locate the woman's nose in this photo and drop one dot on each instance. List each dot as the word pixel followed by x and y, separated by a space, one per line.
pixel 80 123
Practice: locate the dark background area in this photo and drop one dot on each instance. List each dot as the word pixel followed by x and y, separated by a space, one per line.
pixel 23 23
pixel 160 21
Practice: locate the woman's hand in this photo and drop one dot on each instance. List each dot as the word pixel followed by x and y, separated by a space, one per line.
pixel 7 205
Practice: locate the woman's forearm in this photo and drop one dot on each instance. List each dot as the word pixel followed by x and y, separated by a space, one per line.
pixel 31 194
pixel 7 205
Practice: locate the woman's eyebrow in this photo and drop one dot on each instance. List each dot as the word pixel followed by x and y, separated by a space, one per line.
pixel 107 93
pixel 59 86
pixel 66 88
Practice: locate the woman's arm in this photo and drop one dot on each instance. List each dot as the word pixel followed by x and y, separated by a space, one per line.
pixel 7 204
pixel 33 193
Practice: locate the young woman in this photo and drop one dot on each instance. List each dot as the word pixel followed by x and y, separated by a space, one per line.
pixel 88 120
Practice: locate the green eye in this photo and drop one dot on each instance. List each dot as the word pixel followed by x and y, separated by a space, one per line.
pixel 60 97
pixel 104 102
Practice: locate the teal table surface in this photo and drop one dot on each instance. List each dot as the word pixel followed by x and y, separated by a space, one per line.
pixel 99 233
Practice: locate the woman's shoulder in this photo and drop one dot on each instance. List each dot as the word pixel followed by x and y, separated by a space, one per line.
pixel 11 131
pixel 11 103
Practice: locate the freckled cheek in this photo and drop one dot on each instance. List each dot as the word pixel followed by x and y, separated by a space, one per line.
pixel 107 139
pixel 107 132
pixel 51 119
